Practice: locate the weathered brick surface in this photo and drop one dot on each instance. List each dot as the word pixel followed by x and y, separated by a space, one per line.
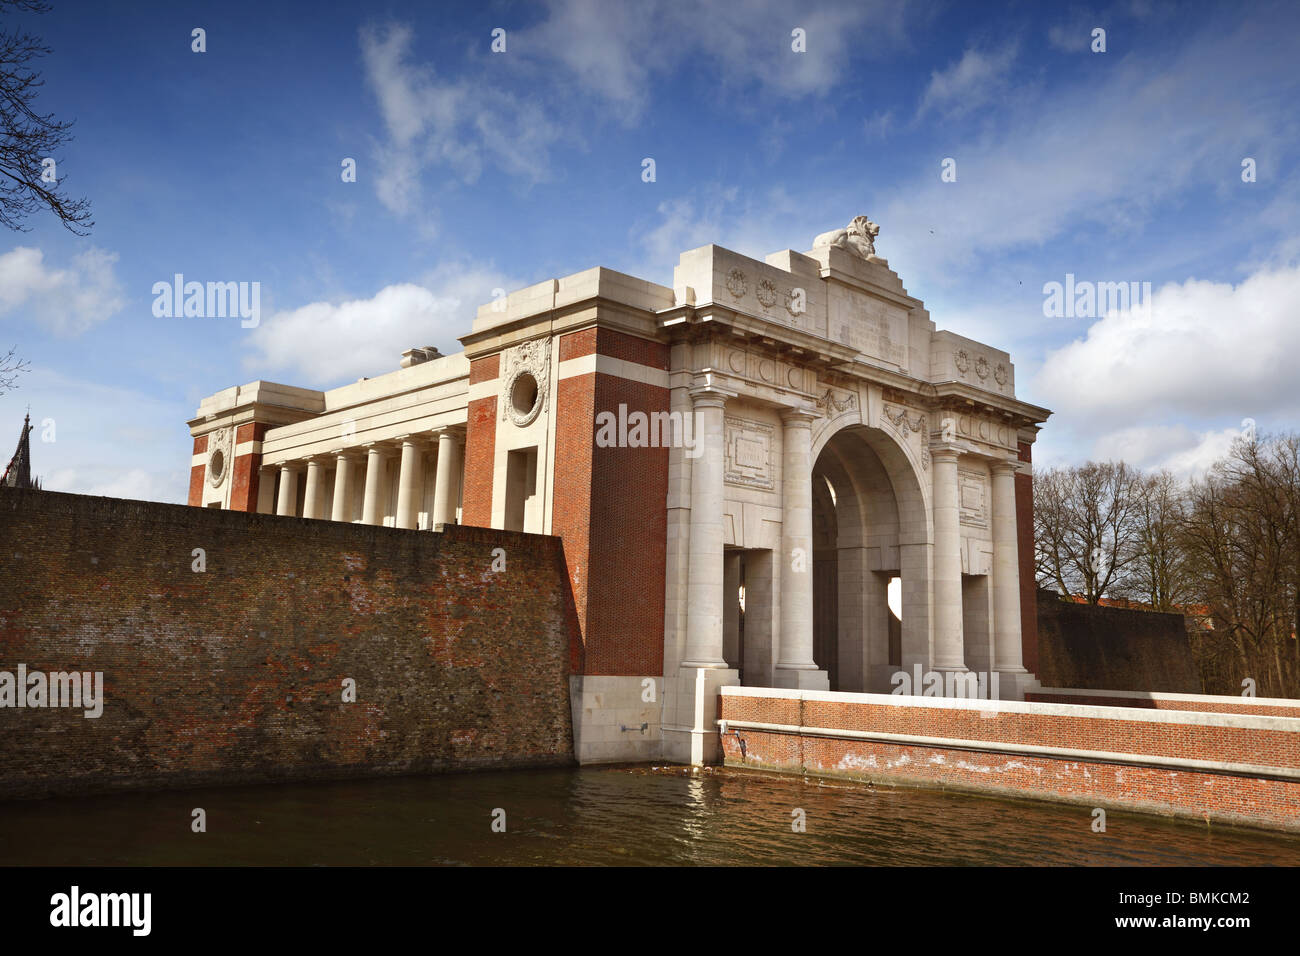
pixel 235 674
pixel 609 507
pixel 480 461
pixel 197 473
pixel 246 479
pixel 615 344
pixel 1094 647
pixel 1259 801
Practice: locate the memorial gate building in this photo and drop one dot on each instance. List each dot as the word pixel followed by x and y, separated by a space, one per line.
pixel 739 466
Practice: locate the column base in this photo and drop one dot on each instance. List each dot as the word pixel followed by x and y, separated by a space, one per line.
pixel 789 678
pixel 690 728
pixel 1013 685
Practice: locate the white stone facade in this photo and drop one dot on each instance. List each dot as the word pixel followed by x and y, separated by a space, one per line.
pixel 838 441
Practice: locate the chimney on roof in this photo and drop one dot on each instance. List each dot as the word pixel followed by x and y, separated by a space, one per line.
pixel 418 356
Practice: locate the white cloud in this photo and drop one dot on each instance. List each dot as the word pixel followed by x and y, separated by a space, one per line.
pixel 65 301
pixel 972 81
pixel 1202 349
pixel 324 343
pixel 1172 387
pixel 1179 448
pixel 461 124
pixel 616 51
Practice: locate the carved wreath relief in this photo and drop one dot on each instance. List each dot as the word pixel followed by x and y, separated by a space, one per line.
pixel 526 373
pixel 220 455
pixel 906 427
pixel 737 284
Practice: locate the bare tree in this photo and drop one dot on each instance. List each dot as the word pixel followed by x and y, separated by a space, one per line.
pixel 1085 526
pixel 10 368
pixel 1158 575
pixel 28 139
pixel 1241 540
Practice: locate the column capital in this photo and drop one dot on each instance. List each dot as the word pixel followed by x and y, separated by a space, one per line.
pixel 944 452
pixel 291 465
pixel 456 432
pixel 1002 466
pixel 351 454
pixel 798 417
pixel 710 395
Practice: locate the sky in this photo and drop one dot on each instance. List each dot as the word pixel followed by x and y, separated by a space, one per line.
pixel 479 170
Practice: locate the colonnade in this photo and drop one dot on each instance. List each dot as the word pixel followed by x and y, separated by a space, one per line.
pixel 367 465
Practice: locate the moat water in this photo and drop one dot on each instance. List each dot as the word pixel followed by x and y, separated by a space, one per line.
pixel 605 816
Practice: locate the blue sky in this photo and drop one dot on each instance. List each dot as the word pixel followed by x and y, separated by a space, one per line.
pixel 478 170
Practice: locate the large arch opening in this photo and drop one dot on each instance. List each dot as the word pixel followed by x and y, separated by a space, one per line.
pixel 869 529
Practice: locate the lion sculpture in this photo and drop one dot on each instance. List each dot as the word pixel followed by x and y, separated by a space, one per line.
pixel 859 237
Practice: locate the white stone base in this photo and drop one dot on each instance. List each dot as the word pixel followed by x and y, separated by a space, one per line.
pixel 690 730
pixel 1013 685
pixel 612 723
pixel 800 679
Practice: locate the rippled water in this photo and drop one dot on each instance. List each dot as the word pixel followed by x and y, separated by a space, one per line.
pixel 621 816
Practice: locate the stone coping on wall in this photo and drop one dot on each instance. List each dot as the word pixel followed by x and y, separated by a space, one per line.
pixel 1145 695
pixel 993 707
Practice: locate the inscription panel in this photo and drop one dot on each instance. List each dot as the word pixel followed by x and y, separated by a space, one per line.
pixel 750 454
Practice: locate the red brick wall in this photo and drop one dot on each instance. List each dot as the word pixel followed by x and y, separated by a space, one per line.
pixel 484 369
pixel 247 468
pixel 234 674
pixel 196 485
pixel 614 344
pixel 480 462
pixel 571 497
pixel 609 506
pixel 1028 585
pixel 629 531
pixel 1261 801
pixel 197 471
pixel 246 478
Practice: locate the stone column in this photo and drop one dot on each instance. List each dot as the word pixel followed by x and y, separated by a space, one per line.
pixel 1007 655
pixel 313 505
pixel 948 650
pixel 376 464
pixel 266 490
pixel 705 584
pixel 448 477
pixel 731 607
pixel 410 482
pixel 343 478
pixel 288 499
pixel 795 666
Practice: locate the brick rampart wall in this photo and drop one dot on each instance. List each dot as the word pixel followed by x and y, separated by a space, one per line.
pixel 1220 767
pixel 234 674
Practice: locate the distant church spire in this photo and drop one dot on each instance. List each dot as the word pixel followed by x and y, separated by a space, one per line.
pixel 19 472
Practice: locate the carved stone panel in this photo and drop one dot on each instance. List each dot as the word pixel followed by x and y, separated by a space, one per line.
pixel 972 498
pixel 750 454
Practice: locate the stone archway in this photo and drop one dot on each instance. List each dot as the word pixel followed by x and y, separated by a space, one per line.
pixel 870 524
